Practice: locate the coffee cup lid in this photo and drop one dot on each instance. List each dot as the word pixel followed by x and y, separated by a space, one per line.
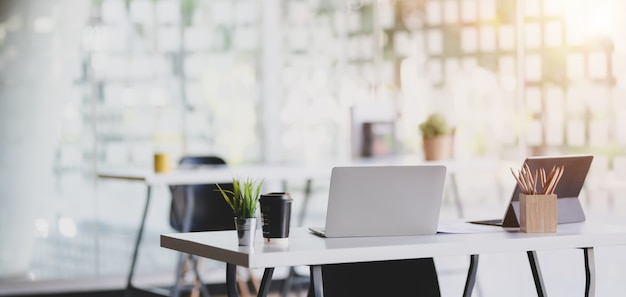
pixel 283 195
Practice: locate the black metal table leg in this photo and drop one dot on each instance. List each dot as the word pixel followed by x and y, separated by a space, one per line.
pixel 590 272
pixel 471 276
pixel 265 282
pixel 231 281
pixel 133 262
pixel 316 288
pixel 534 266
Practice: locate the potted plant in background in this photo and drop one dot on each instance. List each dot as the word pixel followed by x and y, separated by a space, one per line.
pixel 244 201
pixel 437 137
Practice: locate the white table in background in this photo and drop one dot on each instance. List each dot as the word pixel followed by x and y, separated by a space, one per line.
pixel 305 248
pixel 206 175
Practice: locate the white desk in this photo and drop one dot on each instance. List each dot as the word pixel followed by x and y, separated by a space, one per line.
pixel 217 174
pixel 307 249
pixel 276 172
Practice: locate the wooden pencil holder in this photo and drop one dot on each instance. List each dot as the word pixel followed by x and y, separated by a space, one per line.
pixel 538 213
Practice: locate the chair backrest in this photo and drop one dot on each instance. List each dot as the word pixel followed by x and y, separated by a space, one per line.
pixel 410 277
pixel 210 211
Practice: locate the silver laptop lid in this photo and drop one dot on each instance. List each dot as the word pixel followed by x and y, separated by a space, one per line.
pixel 384 200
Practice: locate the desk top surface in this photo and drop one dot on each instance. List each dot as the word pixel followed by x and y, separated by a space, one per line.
pixel 221 174
pixel 305 248
pixel 215 174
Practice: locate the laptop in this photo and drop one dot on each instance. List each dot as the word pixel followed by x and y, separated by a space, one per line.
pixel 567 190
pixel 383 201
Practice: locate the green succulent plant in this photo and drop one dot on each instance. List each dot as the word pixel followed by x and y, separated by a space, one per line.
pixel 435 125
pixel 244 198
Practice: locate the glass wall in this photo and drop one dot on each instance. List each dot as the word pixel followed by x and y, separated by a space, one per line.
pixel 39 47
pixel 93 84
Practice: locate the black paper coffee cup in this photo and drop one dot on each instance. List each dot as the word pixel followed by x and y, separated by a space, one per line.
pixel 275 216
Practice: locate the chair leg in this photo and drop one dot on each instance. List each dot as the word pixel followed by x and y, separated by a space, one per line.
pixel 294 280
pixel 255 282
pixel 180 271
pixel 198 281
pixel 195 291
pixel 244 290
pixel 288 281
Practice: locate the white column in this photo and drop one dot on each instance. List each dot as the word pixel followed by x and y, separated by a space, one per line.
pixel 35 81
pixel 271 65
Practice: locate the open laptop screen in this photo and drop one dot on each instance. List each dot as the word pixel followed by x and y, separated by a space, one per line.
pixel 384 200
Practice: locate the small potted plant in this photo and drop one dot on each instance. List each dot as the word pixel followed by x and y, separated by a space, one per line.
pixel 437 137
pixel 244 201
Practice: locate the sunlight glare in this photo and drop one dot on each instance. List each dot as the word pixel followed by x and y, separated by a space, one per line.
pixel 41 228
pixel 602 19
pixel 67 227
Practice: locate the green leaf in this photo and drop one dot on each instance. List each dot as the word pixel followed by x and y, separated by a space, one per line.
pixel 435 125
pixel 244 198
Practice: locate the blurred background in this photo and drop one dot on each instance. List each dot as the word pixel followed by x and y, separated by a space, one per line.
pixel 107 83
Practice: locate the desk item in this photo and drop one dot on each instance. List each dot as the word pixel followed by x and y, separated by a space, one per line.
pixel 461 227
pixel 538 182
pixel 276 217
pixel 383 201
pixel 570 182
pixel 538 213
pixel 246 230
pixel 244 201
pixel 538 206
pixel 162 163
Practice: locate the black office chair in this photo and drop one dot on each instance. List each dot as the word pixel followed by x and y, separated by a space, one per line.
pixel 208 212
pixel 412 277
